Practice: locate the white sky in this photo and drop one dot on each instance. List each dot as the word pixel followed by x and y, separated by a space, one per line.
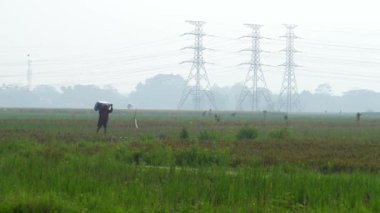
pixel 123 42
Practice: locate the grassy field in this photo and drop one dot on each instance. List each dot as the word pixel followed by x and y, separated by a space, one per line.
pixel 53 161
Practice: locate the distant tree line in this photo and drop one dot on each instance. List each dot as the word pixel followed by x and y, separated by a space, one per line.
pixel 164 92
pixel 44 96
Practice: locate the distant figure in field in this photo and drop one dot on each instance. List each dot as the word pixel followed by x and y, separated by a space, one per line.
pixel 204 113
pixel 104 110
pixel 286 119
pixel 217 118
pixel 265 116
pixel 233 114
pixel 358 115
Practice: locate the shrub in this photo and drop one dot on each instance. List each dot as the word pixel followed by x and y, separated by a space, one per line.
pixel 146 137
pixel 195 155
pixel 247 132
pixel 207 135
pixel 184 134
pixel 283 133
pixel 158 156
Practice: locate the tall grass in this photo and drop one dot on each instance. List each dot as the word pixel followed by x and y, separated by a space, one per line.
pixel 100 178
pixel 49 164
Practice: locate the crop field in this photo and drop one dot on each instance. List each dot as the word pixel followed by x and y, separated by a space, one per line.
pixel 52 160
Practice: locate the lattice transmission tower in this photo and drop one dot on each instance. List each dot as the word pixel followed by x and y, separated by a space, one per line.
pixel 29 73
pixel 197 84
pixel 289 98
pixel 255 85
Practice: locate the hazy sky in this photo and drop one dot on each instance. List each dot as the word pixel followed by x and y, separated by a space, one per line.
pixel 122 42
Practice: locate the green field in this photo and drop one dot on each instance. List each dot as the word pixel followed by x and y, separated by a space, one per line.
pixel 181 161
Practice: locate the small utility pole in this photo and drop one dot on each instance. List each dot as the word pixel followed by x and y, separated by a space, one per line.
pixel 29 73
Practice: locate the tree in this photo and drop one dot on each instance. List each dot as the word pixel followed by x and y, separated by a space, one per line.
pixel 324 89
pixel 162 91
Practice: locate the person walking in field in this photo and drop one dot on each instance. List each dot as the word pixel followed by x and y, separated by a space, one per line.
pixel 104 110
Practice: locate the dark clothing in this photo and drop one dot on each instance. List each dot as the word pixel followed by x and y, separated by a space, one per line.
pixel 103 116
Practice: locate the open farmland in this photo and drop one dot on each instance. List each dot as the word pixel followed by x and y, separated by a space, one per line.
pixel 178 161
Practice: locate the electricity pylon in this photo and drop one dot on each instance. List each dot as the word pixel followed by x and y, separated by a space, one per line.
pixel 289 98
pixel 197 83
pixel 29 73
pixel 255 75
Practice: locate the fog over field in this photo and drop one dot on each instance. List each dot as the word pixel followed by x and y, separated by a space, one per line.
pixel 122 44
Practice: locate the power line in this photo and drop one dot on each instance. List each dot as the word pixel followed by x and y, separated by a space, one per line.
pixel 340 74
pixel 112 63
pixel 334 45
pixel 335 60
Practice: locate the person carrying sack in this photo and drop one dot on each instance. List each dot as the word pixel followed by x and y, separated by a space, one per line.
pixel 104 109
